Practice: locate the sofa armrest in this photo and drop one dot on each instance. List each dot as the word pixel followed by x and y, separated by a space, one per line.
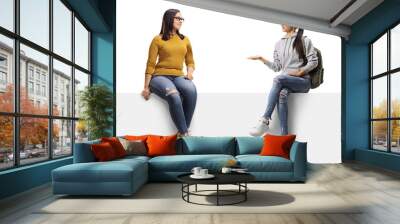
pixel 83 152
pixel 298 155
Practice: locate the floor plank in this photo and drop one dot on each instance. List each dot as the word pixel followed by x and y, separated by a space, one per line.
pixel 377 189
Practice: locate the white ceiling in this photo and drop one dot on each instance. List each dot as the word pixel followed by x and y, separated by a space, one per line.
pixel 320 9
pixel 313 15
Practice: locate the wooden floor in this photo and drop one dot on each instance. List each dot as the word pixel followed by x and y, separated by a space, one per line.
pixel 378 188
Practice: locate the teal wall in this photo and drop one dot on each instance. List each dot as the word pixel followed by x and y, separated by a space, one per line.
pixel 99 16
pixel 104 54
pixel 355 88
pixel 24 178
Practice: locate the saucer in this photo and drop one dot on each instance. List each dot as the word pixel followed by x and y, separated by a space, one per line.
pixel 208 176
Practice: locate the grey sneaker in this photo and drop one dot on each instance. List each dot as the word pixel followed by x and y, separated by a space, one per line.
pixel 261 128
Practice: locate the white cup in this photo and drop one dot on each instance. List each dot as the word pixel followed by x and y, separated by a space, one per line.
pixel 203 172
pixel 196 171
pixel 226 170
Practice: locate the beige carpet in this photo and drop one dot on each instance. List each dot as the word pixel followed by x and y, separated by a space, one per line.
pixel 166 198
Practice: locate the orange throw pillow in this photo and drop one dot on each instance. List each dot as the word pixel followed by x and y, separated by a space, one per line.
pixel 103 151
pixel 116 145
pixel 136 138
pixel 161 145
pixel 277 145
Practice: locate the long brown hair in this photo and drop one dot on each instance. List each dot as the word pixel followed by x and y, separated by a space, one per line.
pixel 168 24
pixel 299 46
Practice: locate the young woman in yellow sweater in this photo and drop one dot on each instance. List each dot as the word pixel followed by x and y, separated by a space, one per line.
pixel 165 77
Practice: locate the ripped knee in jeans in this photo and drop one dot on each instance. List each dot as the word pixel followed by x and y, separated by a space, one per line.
pixel 169 91
pixel 283 95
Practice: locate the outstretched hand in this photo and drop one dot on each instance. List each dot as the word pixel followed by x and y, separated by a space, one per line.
pixel 257 57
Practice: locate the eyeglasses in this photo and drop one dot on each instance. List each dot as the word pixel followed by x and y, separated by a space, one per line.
pixel 179 18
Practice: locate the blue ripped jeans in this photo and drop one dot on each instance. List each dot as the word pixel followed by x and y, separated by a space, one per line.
pixel 181 95
pixel 283 85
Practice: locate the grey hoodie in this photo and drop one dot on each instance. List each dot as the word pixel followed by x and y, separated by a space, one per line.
pixel 286 57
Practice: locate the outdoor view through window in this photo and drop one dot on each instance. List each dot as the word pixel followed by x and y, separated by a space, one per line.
pixel 32 131
pixel 385 85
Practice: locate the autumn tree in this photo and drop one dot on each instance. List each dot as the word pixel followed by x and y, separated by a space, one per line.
pixel 33 131
pixel 380 127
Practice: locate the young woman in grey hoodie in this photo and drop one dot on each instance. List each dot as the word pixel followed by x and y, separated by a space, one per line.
pixel 294 56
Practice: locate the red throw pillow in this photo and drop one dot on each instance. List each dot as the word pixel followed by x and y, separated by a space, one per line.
pixel 161 145
pixel 103 151
pixel 277 145
pixel 116 145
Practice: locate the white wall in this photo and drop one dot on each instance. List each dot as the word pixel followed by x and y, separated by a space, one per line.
pixel 231 90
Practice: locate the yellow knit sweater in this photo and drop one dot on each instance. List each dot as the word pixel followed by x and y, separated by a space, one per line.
pixel 171 54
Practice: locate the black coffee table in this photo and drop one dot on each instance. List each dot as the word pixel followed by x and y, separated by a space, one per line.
pixel 238 179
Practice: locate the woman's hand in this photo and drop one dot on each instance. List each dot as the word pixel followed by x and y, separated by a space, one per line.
pixel 298 73
pixel 257 57
pixel 189 76
pixel 146 93
pixel 189 73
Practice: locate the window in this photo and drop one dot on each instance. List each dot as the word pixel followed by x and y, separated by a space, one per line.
pixel 7 14
pixel 37 89
pixel 62 137
pixel 30 87
pixel 6 72
pixel 3 61
pixel 37 75
pixel 395 47
pixel 81 81
pixel 3 78
pixel 45 76
pixel 61 72
pixel 44 91
pixel 385 95
pixel 35 21
pixel 6 142
pixel 81 45
pixel 30 72
pixel 62 30
pixel 33 147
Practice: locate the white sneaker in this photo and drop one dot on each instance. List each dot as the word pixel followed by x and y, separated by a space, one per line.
pixel 261 128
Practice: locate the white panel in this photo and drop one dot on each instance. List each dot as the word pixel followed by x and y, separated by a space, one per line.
pixel 313 117
pixel 232 90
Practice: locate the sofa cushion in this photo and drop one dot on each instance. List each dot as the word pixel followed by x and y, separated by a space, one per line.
pixel 248 145
pixel 111 171
pixel 206 145
pixel 257 163
pixel 185 163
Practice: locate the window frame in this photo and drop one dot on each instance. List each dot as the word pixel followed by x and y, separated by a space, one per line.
pixel 388 74
pixel 15 71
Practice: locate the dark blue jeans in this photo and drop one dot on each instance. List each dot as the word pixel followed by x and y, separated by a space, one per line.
pixel 283 85
pixel 181 95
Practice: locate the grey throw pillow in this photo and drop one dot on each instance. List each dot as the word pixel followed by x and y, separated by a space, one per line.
pixel 137 147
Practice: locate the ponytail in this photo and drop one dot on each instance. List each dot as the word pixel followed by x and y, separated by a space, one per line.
pixel 299 46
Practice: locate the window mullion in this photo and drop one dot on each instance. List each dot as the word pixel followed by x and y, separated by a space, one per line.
pixel 73 82
pixel 50 81
pixel 16 84
pixel 389 113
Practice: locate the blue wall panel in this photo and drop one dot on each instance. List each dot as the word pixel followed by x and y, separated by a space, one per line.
pixel 356 85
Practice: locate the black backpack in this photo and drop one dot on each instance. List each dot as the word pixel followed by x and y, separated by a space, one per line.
pixel 317 74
